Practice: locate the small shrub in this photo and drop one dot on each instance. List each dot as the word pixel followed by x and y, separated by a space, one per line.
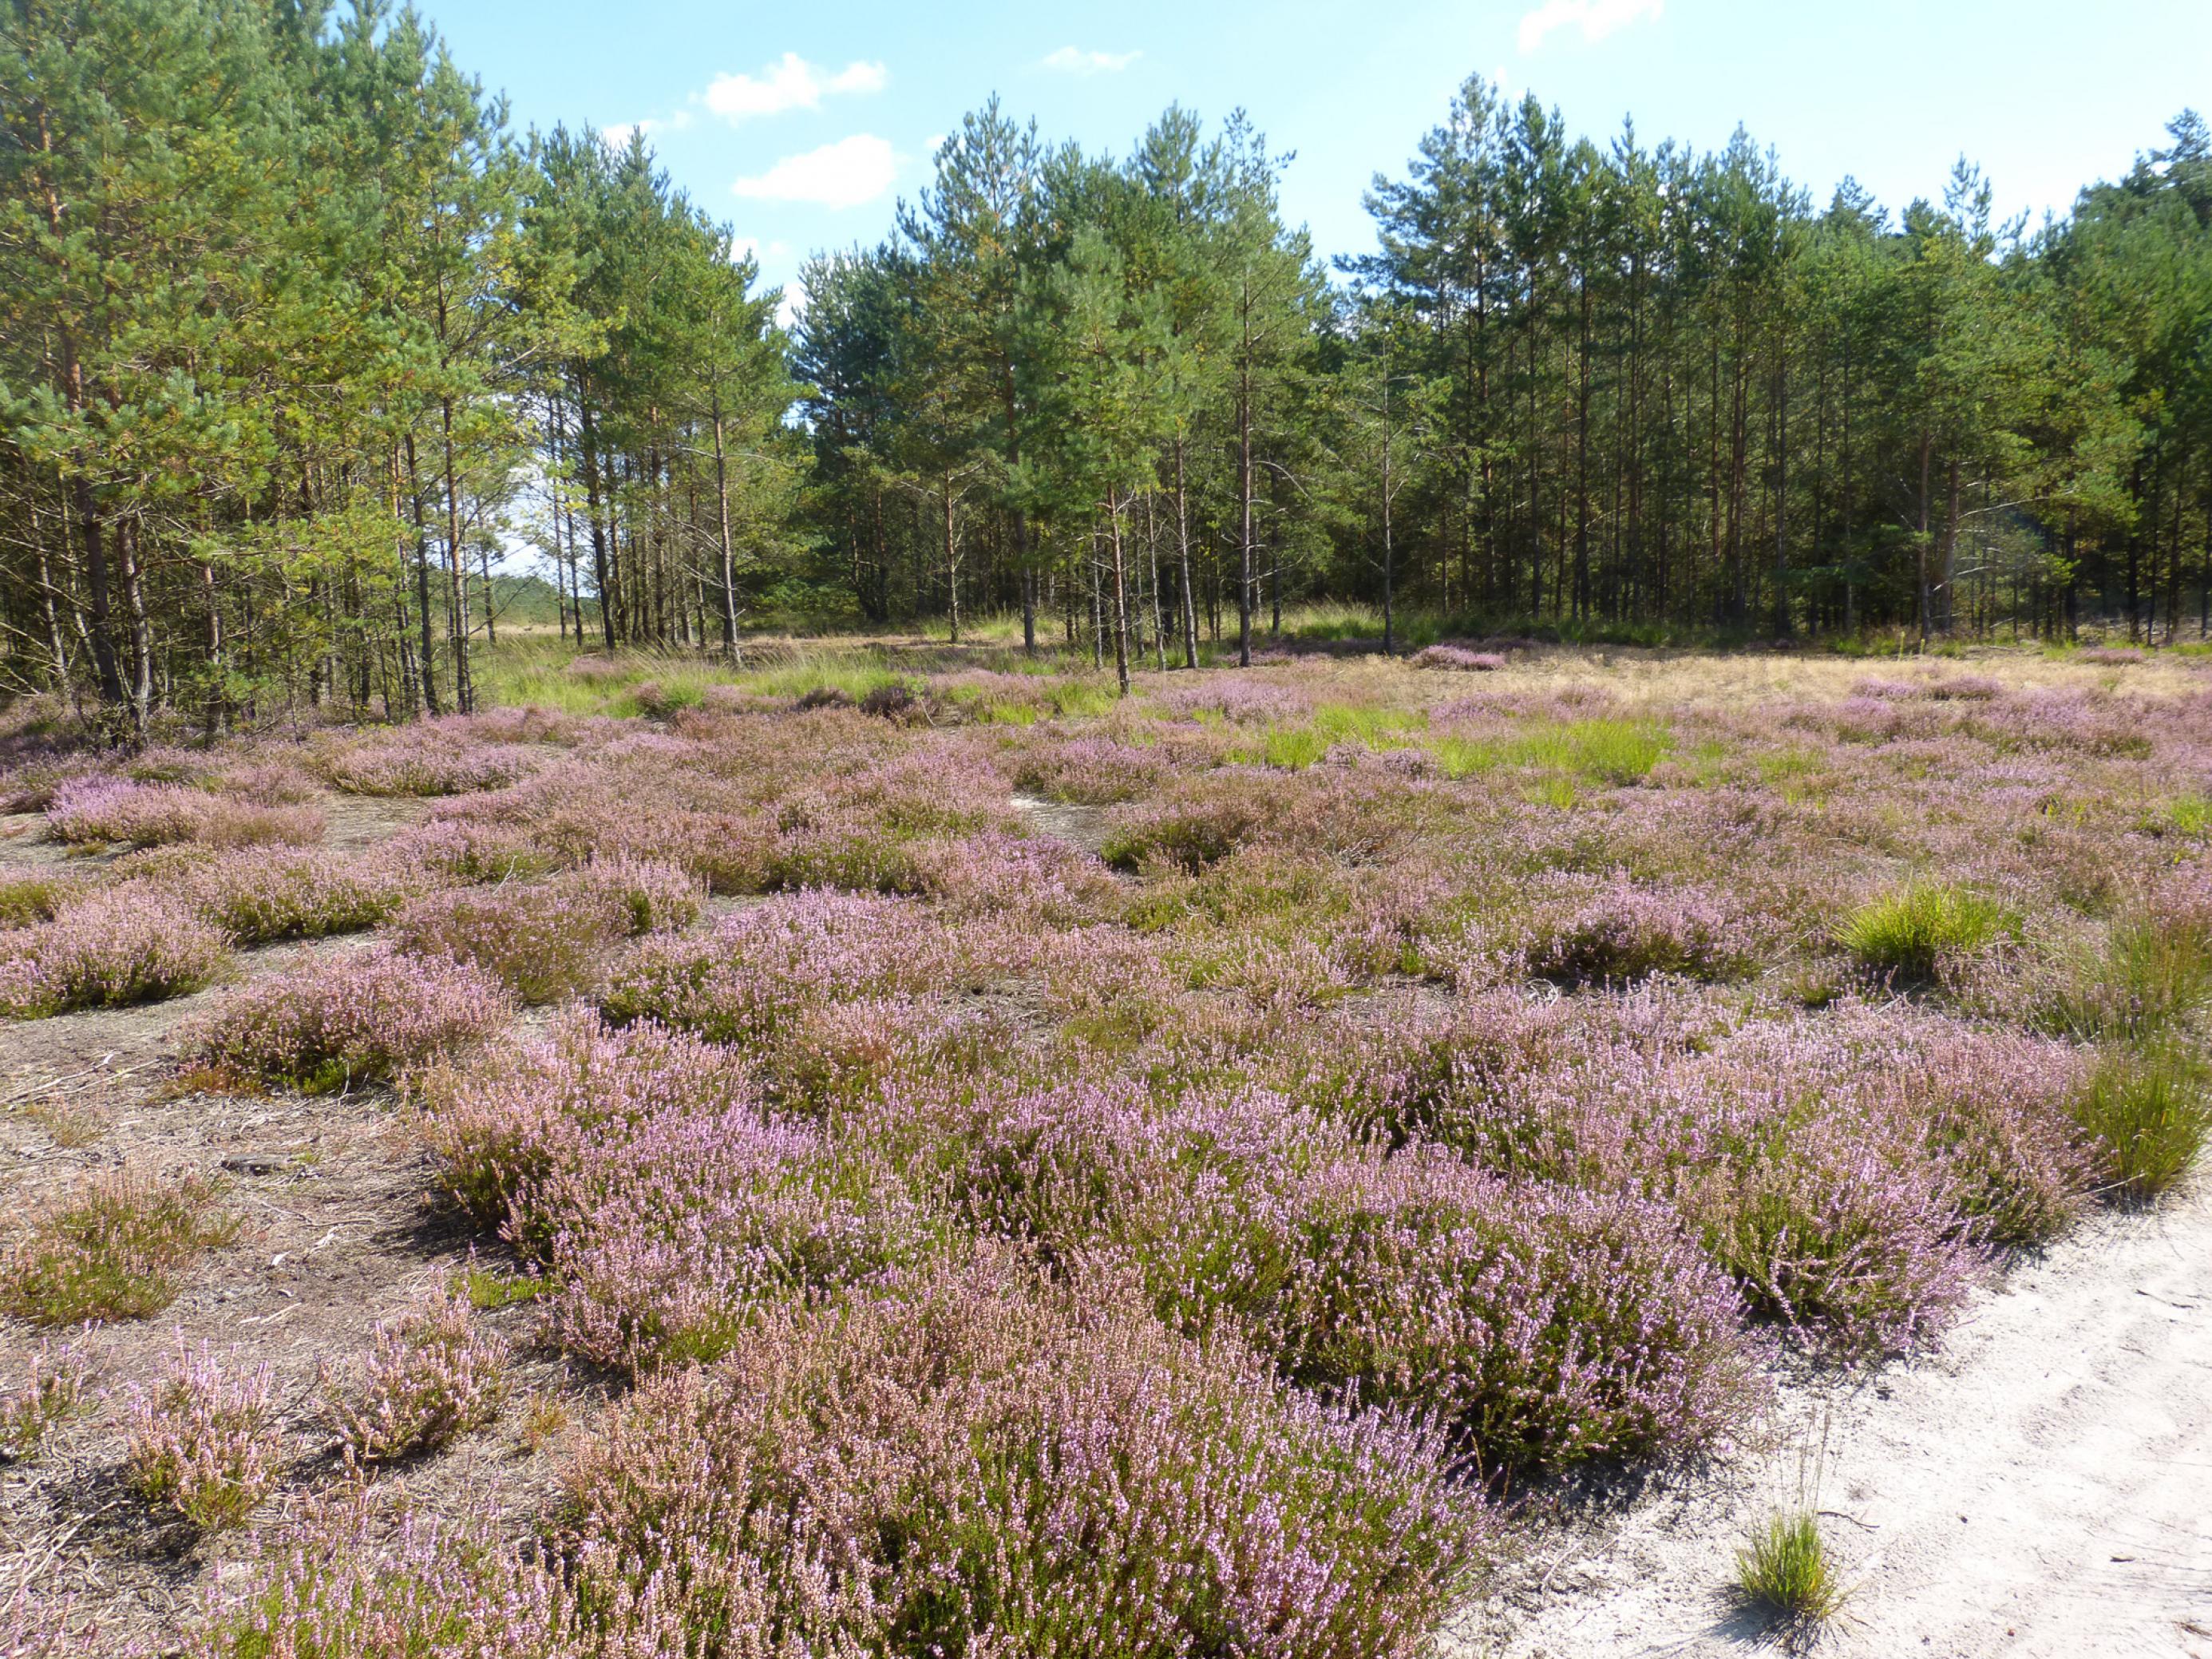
pixel 38 896
pixel 645 896
pixel 51 1394
pixel 256 897
pixel 2147 1110
pixel 1458 658
pixel 203 1444
pixel 427 759
pixel 115 1250
pixel 544 1418
pixel 761 967
pixel 361 1018
pixel 892 701
pixel 114 810
pixel 114 949
pixel 428 1378
pixel 1623 933
pixel 543 943
pixel 1906 932
pixel 1784 1573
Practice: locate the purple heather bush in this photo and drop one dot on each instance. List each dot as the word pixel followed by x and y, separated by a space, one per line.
pixel 542 941
pixel 1457 658
pixel 644 896
pixel 977 1464
pixel 256 896
pixel 762 966
pixel 1621 932
pixel 367 1017
pixel 503 1123
pixel 433 757
pixel 51 1392
pixel 118 947
pixel 116 1247
pixel 206 1442
pixel 1092 770
pixel 113 809
pixel 471 850
pixel 667 1244
pixel 1542 1326
pixel 428 1377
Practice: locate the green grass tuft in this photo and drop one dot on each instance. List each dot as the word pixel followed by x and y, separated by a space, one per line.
pixel 1904 932
pixel 2145 1106
pixel 1784 1571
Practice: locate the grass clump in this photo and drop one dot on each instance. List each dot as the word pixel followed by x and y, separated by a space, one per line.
pixel 1785 1572
pixel 115 1250
pixel 2145 1108
pixel 1904 932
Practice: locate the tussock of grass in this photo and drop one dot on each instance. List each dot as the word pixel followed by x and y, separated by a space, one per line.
pixel 1904 932
pixel 1600 752
pixel 1784 1571
pixel 2147 1110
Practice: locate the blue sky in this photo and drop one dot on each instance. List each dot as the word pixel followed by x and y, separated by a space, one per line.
pixel 802 125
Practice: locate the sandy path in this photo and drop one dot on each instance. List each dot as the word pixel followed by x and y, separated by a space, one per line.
pixel 2042 1486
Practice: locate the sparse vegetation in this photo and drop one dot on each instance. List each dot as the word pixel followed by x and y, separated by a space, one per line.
pixel 1785 1572
pixel 115 1248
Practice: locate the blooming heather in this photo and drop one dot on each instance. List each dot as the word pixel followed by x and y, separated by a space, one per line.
pixel 428 1376
pixel 362 1018
pixel 205 1442
pixel 115 948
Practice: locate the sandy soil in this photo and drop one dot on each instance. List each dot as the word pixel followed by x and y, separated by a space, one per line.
pixel 2041 1485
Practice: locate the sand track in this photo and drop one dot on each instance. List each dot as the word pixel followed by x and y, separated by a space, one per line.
pixel 2041 1486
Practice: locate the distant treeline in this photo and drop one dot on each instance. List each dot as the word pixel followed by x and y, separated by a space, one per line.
pixel 299 340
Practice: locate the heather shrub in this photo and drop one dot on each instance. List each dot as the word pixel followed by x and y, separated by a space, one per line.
pixel 1186 835
pixel 1904 933
pixel 503 1123
pixel 1546 1327
pixel 114 1248
pixel 1540 1326
pixel 761 966
pixel 1622 931
pixel 116 948
pixel 427 759
pixel 542 942
pixel 51 1392
pixel 644 896
pixel 1093 771
pixel 364 1017
pixel 256 898
pixel 473 850
pixel 2146 1110
pixel 1456 658
pixel 115 810
pixel 429 1376
pixel 669 1243
pixel 983 1466
pixel 203 1444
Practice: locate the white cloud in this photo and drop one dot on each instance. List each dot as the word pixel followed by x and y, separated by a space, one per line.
pixel 617 135
pixel 790 309
pixel 1595 19
pixel 1071 61
pixel 751 247
pixel 840 175
pixel 791 82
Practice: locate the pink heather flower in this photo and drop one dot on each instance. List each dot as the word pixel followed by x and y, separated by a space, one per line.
pixel 114 948
pixel 365 1017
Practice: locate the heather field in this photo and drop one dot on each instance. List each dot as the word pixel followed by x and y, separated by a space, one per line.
pixel 898 1150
